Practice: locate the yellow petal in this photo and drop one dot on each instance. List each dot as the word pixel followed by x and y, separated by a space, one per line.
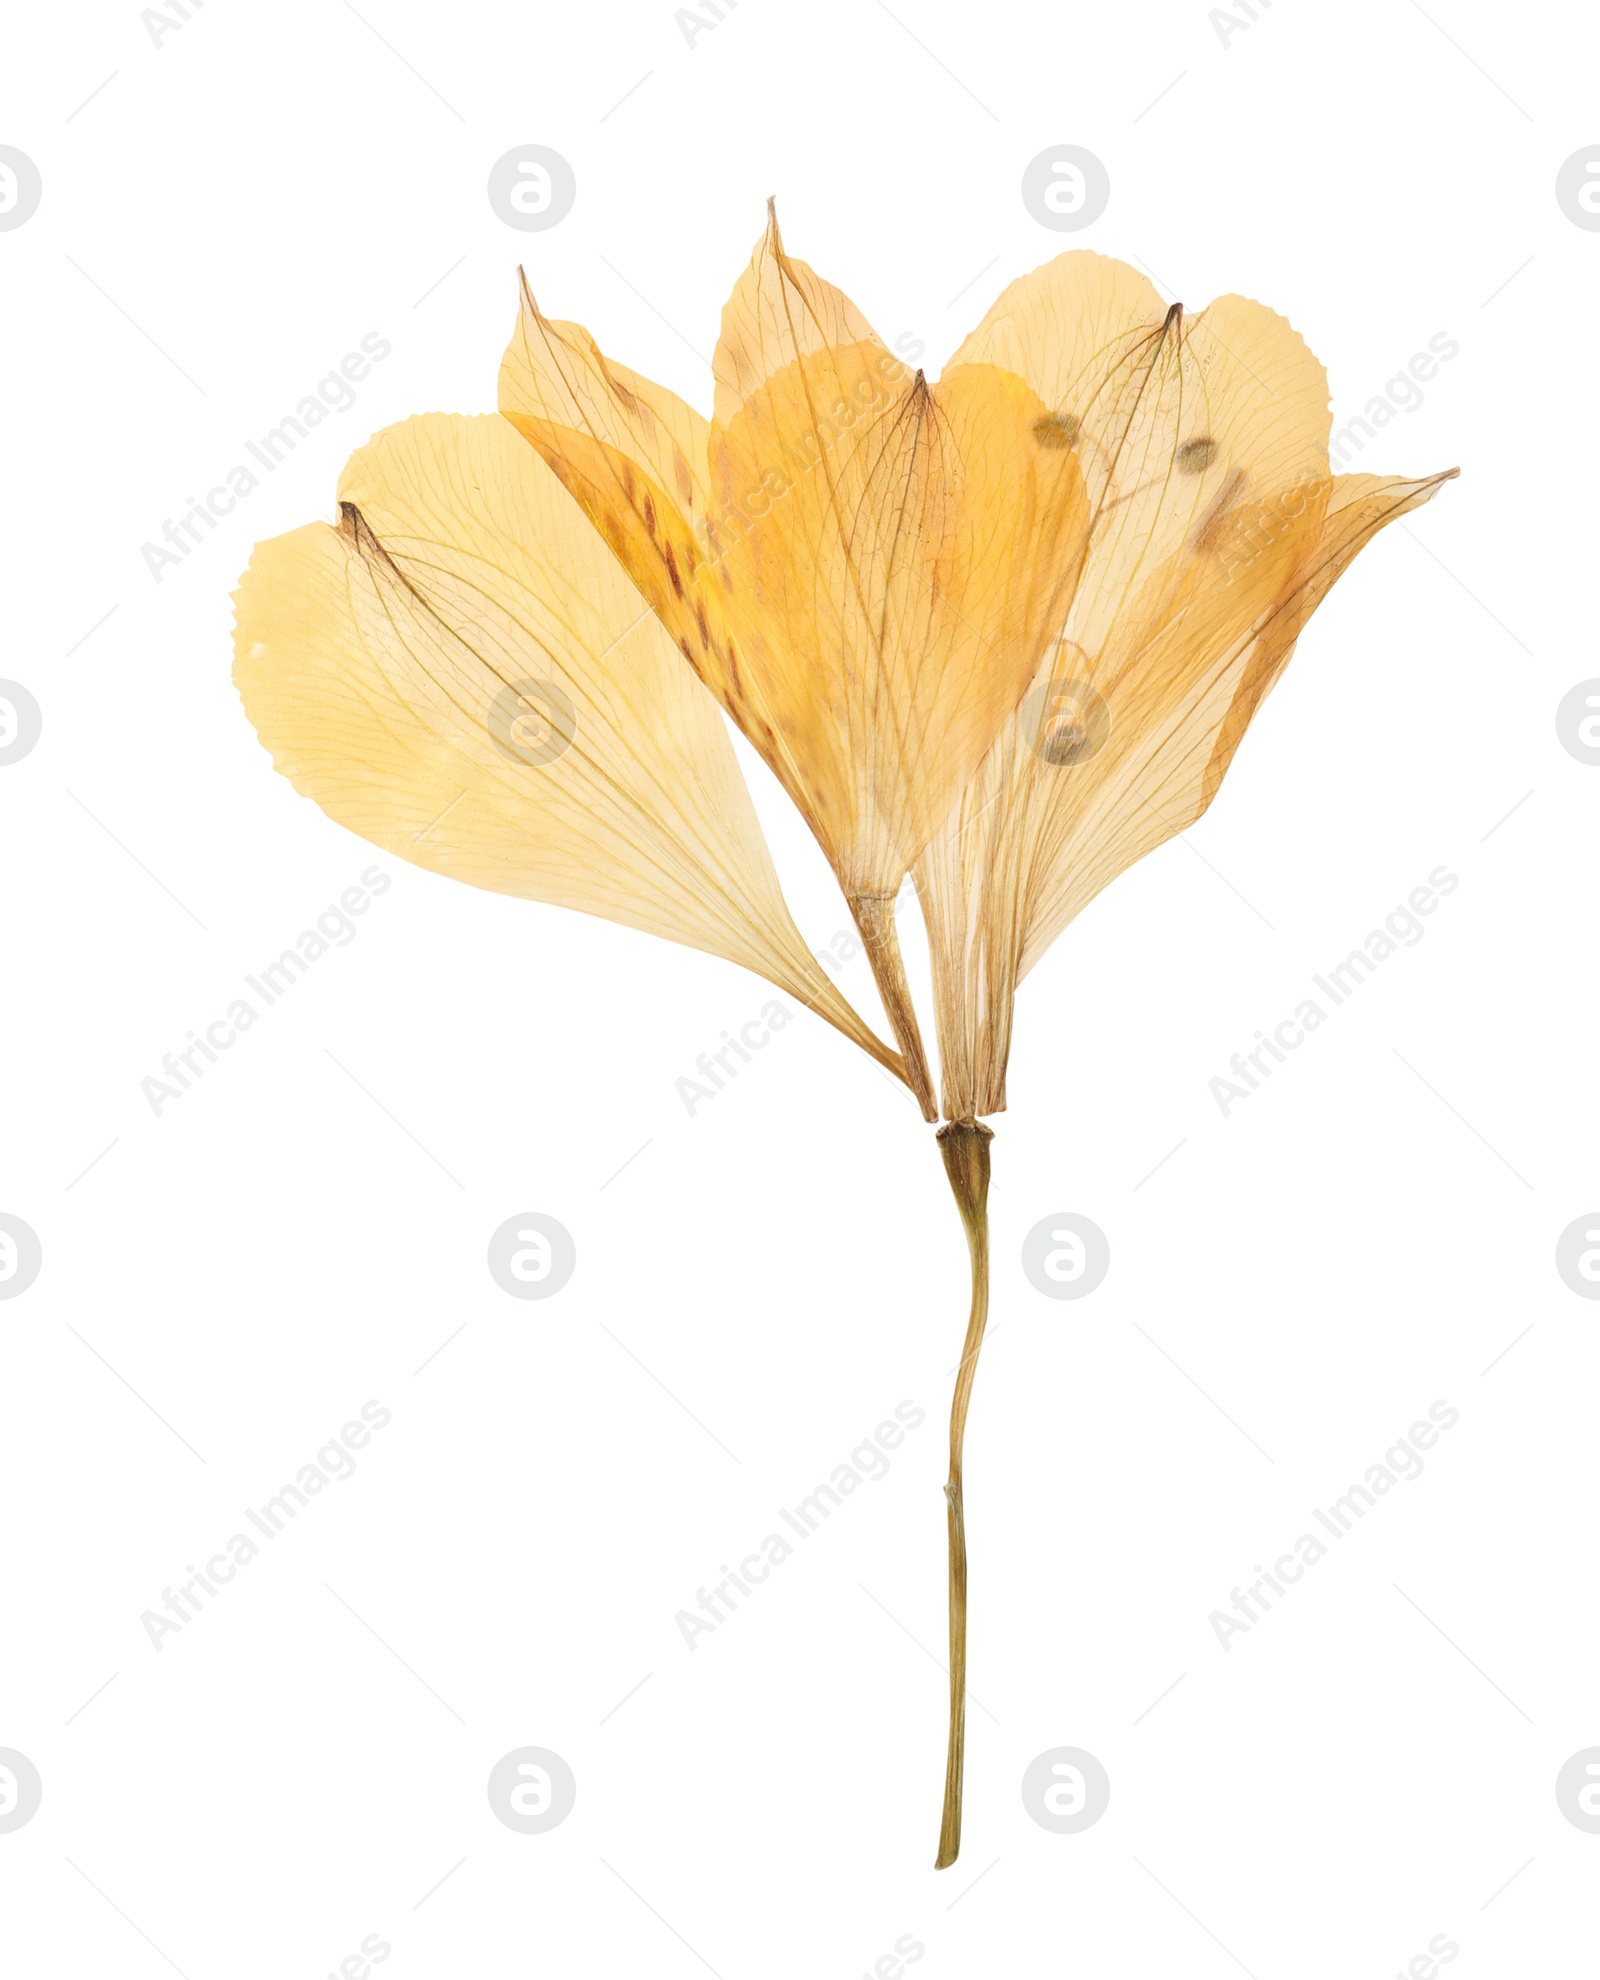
pixel 1176 420
pixel 1066 325
pixel 633 435
pixel 1216 530
pixel 1181 690
pixel 460 673
pixel 896 576
pixel 1358 506
pixel 780 310
pixel 894 561
pixel 1051 820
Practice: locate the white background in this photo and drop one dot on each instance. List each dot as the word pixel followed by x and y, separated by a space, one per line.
pixel 1362 1771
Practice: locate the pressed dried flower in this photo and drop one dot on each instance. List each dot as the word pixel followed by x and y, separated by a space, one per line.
pixel 1005 631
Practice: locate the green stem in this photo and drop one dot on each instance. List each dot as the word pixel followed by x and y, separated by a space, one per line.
pixel 965 1148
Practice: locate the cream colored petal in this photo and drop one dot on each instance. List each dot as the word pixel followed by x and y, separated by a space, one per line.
pixel 1141 756
pixel 636 435
pixel 1066 326
pixel 1184 691
pixel 1203 449
pixel 1176 419
pixel 1358 506
pixel 780 310
pixel 460 673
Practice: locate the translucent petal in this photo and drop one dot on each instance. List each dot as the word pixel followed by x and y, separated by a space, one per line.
pixel 896 576
pixel 460 673
pixel 780 310
pixel 1216 529
pixel 629 435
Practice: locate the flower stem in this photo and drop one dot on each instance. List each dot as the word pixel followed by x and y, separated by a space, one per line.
pixel 965 1148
